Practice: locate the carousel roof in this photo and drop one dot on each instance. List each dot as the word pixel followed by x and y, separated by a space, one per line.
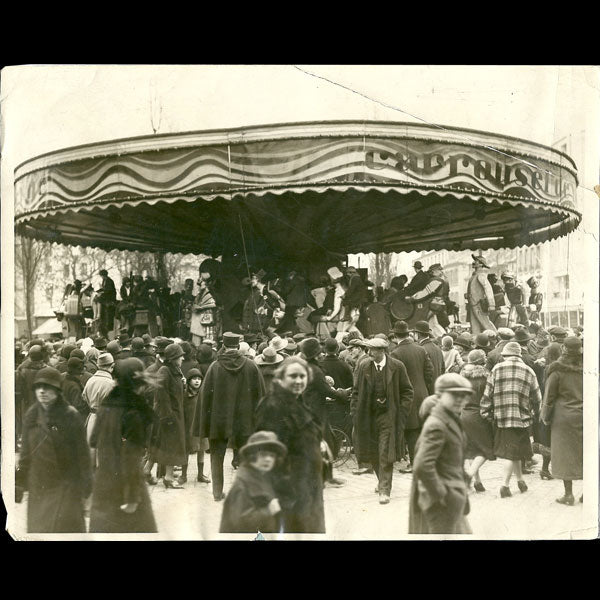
pixel 295 189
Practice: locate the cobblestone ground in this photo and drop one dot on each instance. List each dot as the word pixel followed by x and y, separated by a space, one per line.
pixel 353 511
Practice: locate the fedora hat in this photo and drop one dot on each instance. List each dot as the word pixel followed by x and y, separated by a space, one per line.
pixel 422 327
pixel 100 343
pixel 479 259
pixel 310 347
pixel 268 357
pixel 263 440
pixel 278 343
pixel 522 336
pixel 400 327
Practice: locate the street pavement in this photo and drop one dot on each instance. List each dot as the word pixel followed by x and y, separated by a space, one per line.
pixel 353 512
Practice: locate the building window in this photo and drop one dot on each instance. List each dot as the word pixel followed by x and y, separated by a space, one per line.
pixel 573 321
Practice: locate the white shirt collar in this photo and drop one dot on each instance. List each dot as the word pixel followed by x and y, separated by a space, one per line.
pixel 382 363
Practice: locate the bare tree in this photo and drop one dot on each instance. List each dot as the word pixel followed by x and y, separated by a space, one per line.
pixel 28 257
pixel 379 266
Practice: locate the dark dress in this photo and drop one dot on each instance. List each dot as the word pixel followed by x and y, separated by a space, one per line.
pixel 245 509
pixel 119 434
pixel 169 441
pixel 55 467
pixel 480 433
pixel 298 481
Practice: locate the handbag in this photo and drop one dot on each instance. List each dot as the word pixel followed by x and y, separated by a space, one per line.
pixel 206 318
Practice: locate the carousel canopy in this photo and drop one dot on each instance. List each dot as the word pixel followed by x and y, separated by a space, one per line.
pixel 292 190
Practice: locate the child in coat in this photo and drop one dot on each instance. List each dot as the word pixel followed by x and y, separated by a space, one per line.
pixel 251 505
pixel 452 358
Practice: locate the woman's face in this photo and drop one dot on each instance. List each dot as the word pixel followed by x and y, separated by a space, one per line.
pixel 195 382
pixel 295 379
pixel 264 461
pixel 178 361
pixel 46 395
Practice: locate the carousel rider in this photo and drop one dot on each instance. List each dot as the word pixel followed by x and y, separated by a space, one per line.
pixel 260 305
pixel 185 309
pixel 108 302
pixel 517 295
pixel 355 296
pixel 480 297
pixel 436 291
pixel 536 299
pixel 418 282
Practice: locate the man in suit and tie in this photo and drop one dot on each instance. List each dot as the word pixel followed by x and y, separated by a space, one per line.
pixel 382 396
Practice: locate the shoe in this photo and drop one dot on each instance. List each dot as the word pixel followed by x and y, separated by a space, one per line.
pixel 384 499
pixel 546 475
pixel 505 492
pixel 479 486
pixel 522 486
pixel 362 471
pixel 566 499
pixel 171 484
pixel 149 479
pixel 203 479
pixel 219 498
pixel 407 470
pixel 182 479
pixel 333 482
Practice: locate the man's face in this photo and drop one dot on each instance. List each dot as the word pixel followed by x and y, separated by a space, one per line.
pixel 189 286
pixel 264 461
pixel 454 401
pixel 377 354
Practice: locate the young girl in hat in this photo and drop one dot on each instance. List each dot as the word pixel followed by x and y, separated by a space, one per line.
pixel 252 505
pixel 191 404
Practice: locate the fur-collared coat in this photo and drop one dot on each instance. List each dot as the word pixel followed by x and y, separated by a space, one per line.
pixel 399 394
pixel 55 467
pixel 562 408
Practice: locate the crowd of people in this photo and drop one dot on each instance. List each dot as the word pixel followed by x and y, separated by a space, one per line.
pixel 98 421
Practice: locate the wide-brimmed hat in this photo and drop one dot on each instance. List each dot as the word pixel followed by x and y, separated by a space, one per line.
pixel 422 327
pixel 573 346
pixel 479 259
pixel 522 336
pixel 105 360
pixel 173 352
pixel 400 327
pixel 310 347
pixel 511 349
pixel 464 340
pixel 268 357
pixel 278 343
pixel 452 382
pixel 263 440
pixel 334 273
pixel 48 376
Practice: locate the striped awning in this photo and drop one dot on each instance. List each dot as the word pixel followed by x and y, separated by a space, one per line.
pixel 296 189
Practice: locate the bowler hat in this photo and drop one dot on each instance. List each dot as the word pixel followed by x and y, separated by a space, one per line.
pixel 400 327
pixel 452 382
pixel 263 440
pixel 480 260
pixel 417 264
pixel 100 343
pixel 48 376
pixel 310 347
pixel 331 345
pixel 511 349
pixel 173 351
pixel 573 346
pixel 278 343
pixel 422 327
pixel 193 373
pixel 463 340
pixel 105 360
pixel 231 340
pixel 268 357
pixel 137 344
pixel 482 341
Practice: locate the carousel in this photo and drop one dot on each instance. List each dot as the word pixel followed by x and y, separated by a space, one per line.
pixel 301 196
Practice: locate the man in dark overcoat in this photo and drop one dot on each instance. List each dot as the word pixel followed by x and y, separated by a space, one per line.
pixel 231 390
pixel 423 335
pixel 381 401
pixel 420 372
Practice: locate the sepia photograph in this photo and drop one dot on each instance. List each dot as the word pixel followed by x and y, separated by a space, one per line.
pixel 300 302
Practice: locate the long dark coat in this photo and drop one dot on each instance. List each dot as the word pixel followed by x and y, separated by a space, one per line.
pixel 245 509
pixel 169 443
pixel 119 434
pixel 24 394
pixel 299 480
pixel 399 394
pixel 562 407
pixel 436 356
pixel 230 392
pixel 479 432
pixel 72 389
pixel 420 373
pixel 55 467
pixel 438 474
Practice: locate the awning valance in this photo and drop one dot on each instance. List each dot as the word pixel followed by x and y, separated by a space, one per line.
pixel 297 189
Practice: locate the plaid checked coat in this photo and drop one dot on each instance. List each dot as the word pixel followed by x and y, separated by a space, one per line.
pixel 512 395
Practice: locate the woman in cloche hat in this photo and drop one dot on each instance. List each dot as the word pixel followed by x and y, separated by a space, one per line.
pixel 54 464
